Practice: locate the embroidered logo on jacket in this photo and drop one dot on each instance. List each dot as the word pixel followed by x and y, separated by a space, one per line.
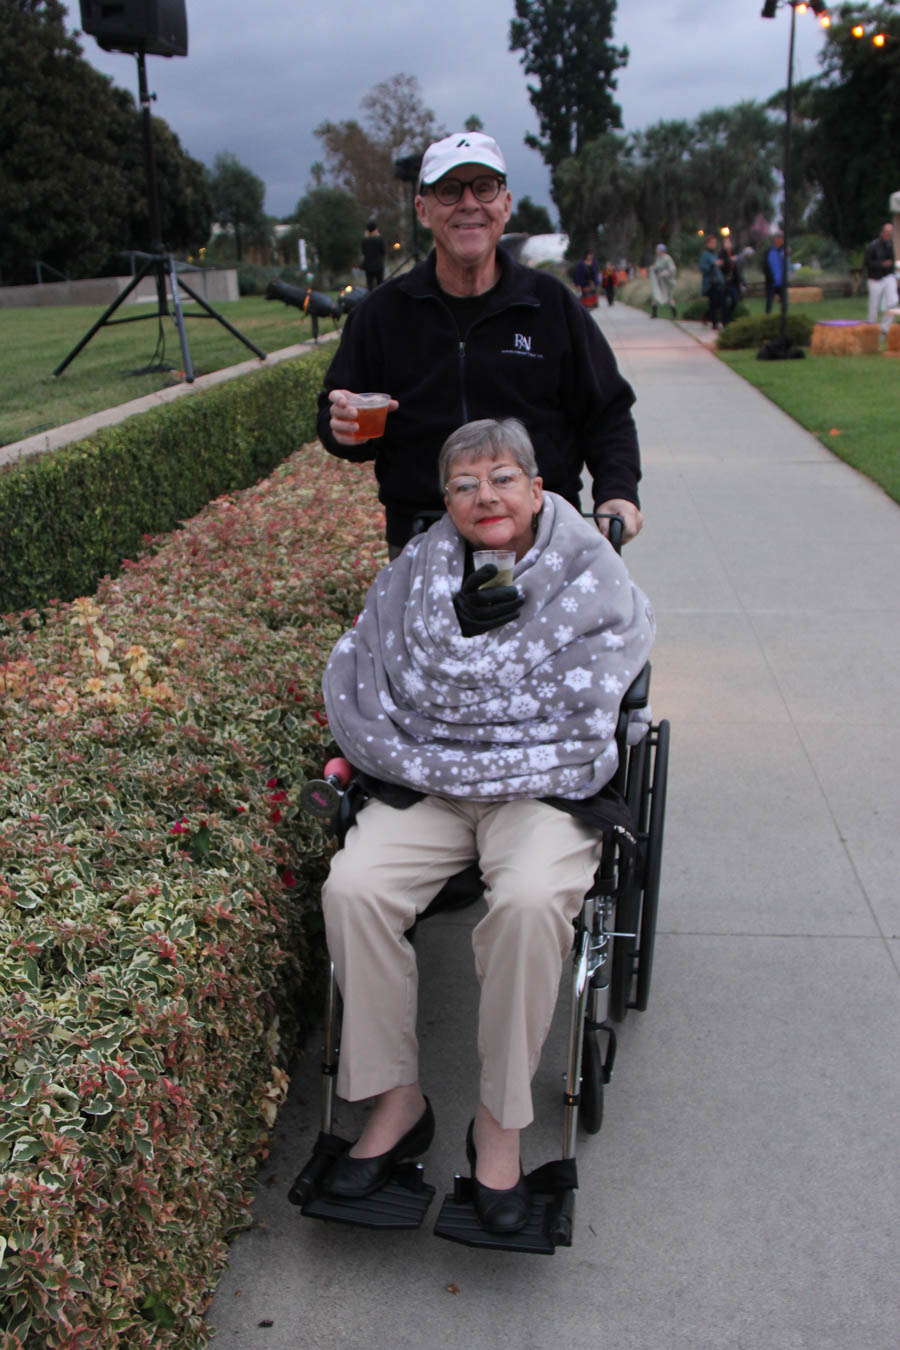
pixel 522 347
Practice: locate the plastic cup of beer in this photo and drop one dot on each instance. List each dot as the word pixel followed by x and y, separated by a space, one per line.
pixel 503 561
pixel 371 412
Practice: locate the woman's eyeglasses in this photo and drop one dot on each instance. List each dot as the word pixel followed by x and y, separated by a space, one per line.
pixel 465 488
pixel 485 188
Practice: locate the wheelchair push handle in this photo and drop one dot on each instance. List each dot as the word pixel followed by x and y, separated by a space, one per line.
pixel 616 535
pixel 321 796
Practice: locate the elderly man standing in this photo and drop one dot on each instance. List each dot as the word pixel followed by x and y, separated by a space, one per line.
pixel 880 278
pixel 469 333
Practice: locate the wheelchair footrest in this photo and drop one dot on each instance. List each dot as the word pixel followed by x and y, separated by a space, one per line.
pixel 549 1226
pixel 400 1203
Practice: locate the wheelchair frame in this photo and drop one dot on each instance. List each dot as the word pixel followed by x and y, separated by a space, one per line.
pixel 612 961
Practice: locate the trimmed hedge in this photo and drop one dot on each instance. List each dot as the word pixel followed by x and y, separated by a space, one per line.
pixel 159 902
pixel 69 517
pixel 761 328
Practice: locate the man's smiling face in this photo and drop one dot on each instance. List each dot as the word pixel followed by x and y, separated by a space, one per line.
pixel 467 233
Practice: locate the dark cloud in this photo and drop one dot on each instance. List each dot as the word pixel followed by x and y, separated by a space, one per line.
pixel 262 74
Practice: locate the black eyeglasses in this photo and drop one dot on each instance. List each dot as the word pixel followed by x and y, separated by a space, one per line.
pixel 485 188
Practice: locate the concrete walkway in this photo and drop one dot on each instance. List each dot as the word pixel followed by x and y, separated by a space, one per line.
pixel 742 1194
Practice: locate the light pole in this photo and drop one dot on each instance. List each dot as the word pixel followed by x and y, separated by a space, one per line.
pixel 781 347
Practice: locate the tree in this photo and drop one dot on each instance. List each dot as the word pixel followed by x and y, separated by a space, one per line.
pixel 473 123
pixel 331 222
pixel 595 191
pixel 361 159
pixel 528 218
pixel 857 124
pixel 733 165
pixel 72 177
pixel 237 197
pixel 566 45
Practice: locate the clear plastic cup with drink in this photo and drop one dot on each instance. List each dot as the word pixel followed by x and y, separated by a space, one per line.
pixel 503 560
pixel 371 413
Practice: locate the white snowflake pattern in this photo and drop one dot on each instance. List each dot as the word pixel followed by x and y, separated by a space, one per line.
pixel 415 770
pixel 553 560
pixel 440 585
pixel 563 634
pixel 542 756
pixel 522 706
pixel 569 604
pixel 612 684
pixel 586 582
pixel 546 689
pixel 390 638
pixel 536 652
pixel 412 681
pixel 386 701
pixel 579 678
pixel 510 674
pixel 601 724
pixel 613 641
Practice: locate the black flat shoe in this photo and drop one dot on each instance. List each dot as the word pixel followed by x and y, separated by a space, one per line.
pixel 353 1178
pixel 499 1211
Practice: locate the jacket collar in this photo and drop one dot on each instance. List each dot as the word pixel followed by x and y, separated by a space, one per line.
pixel 516 284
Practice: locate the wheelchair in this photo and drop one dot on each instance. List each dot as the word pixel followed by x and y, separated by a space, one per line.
pixel 611 968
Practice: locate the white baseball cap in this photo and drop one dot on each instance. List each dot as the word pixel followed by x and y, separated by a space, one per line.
pixel 463 147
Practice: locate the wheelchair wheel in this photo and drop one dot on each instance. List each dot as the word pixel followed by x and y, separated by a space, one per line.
pixel 653 863
pixel 637 906
pixel 590 1112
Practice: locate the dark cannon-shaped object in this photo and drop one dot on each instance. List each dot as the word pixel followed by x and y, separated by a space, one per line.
pixel 314 303
pixel 350 297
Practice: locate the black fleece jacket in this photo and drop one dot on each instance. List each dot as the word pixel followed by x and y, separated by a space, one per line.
pixel 533 353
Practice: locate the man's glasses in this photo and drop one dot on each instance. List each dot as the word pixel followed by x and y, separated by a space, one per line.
pixel 465 488
pixel 485 188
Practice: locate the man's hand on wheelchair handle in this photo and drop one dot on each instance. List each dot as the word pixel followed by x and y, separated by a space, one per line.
pixel 617 506
pixel 478 610
pixel 344 425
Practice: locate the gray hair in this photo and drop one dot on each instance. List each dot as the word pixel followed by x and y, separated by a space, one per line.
pixel 492 438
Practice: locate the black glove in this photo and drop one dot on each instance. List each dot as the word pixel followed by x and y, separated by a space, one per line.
pixel 479 611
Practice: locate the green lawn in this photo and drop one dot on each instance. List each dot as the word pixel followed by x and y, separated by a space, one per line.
pixel 851 403
pixel 35 341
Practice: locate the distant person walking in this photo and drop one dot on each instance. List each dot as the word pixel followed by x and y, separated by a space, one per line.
pixel 774 269
pixel 712 283
pixel 880 277
pixel 587 276
pixel 733 278
pixel 373 255
pixel 662 282
pixel 608 282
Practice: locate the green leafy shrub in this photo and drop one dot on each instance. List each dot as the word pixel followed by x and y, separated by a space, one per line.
pixel 156 883
pixel 70 516
pixel 761 328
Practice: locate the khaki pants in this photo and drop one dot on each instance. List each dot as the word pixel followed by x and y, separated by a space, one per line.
pixel 536 862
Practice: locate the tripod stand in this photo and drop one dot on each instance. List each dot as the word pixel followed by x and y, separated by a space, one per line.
pixel 158 263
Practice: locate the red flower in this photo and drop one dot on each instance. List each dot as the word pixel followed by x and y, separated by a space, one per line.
pixel 180 827
pixel 275 816
pixel 288 880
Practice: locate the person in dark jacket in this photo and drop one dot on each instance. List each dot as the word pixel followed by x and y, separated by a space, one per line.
pixel 587 276
pixel 373 255
pixel 880 278
pixel 469 333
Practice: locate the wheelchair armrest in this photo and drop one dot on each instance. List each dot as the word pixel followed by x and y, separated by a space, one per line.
pixel 637 694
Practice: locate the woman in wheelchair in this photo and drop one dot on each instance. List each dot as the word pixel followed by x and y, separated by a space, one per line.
pixel 482 724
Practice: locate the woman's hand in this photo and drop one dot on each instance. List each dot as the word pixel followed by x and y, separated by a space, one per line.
pixel 478 610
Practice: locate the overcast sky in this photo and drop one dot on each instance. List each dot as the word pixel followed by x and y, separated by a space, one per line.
pixel 260 75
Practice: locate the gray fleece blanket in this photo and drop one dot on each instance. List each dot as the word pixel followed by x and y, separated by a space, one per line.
pixel 527 710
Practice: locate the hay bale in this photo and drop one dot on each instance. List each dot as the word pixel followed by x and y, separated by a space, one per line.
pixel 844 337
pixel 804 295
pixel 893 340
